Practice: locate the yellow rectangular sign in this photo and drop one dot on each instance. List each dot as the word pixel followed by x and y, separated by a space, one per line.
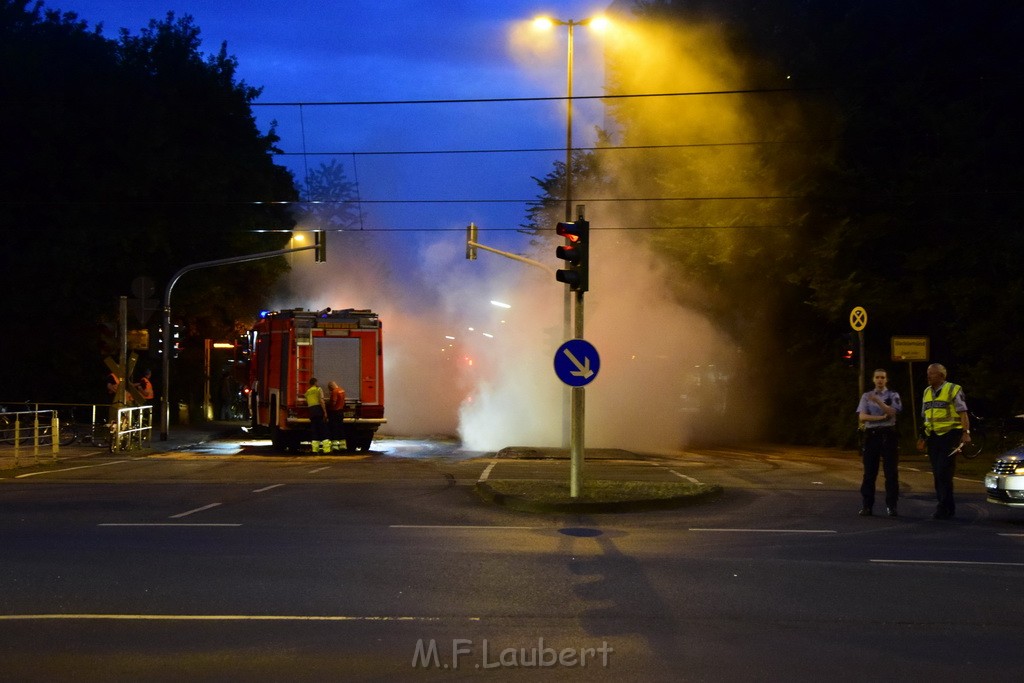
pixel 138 340
pixel 909 349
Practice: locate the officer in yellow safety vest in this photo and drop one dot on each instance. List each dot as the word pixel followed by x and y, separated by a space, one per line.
pixel 945 429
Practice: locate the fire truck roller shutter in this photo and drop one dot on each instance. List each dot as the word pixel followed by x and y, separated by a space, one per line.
pixel 337 359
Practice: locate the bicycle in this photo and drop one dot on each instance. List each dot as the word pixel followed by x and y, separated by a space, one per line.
pixel 96 434
pixel 998 435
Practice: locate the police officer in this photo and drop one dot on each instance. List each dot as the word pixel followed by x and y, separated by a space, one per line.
pixel 877 412
pixel 945 429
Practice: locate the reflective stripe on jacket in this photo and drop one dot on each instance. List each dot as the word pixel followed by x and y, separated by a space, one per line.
pixel 939 414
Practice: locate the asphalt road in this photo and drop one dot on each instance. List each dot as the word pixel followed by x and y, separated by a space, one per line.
pixel 226 564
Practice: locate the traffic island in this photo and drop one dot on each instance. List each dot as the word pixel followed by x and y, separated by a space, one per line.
pixel 596 496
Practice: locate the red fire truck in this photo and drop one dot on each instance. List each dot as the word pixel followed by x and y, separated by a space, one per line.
pixel 289 347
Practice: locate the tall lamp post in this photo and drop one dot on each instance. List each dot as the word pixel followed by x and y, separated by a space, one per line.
pixel 574 318
pixel 570 24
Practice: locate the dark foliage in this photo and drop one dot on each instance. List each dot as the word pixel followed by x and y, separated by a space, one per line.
pixel 915 213
pixel 123 158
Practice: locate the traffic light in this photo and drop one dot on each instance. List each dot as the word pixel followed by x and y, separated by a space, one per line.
pixel 850 349
pixel 321 246
pixel 177 342
pixel 576 254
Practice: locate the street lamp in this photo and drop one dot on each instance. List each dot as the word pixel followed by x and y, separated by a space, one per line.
pixel 598 23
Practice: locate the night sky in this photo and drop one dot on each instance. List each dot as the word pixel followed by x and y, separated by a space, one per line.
pixel 309 52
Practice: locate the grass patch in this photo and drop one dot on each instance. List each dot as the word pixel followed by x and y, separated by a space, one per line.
pixel 595 496
pixel 597 491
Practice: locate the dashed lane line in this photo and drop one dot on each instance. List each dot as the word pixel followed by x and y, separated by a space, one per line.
pixel 267 488
pixel 952 562
pixel 469 527
pixel 764 531
pixel 193 511
pixel 163 524
pixel 487 472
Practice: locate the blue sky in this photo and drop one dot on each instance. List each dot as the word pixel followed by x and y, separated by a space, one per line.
pixel 372 50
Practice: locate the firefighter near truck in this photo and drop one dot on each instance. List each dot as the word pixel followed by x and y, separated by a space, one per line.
pixel 290 347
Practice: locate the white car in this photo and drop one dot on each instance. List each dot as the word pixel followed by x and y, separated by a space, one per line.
pixel 1005 483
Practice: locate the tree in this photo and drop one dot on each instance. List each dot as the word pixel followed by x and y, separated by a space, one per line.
pixel 331 199
pixel 125 157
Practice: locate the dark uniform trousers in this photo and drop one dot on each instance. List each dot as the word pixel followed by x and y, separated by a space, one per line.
pixel 940 446
pixel 880 447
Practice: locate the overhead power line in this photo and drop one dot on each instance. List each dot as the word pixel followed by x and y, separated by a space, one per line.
pixel 938 193
pixel 545 150
pixel 546 230
pixel 553 98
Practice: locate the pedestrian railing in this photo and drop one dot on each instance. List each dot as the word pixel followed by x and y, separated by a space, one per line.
pixel 30 431
pixel 133 429
pixel 44 429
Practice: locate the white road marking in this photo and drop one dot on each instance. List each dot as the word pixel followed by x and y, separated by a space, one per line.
pixel 192 512
pixel 453 526
pixel 320 469
pixel 487 472
pixel 267 488
pixel 964 562
pixel 1013 535
pixel 683 476
pixel 68 469
pixel 223 617
pixel 768 531
pixel 161 524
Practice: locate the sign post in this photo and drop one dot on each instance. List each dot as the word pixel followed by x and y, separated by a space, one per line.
pixel 576 364
pixel 858 321
pixel 907 350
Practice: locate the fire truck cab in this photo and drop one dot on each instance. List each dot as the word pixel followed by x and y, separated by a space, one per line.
pixel 290 347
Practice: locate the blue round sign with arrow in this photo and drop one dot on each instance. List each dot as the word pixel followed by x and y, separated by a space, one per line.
pixel 577 362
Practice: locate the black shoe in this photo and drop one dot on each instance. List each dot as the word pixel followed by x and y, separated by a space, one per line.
pixel 865 512
pixel 890 510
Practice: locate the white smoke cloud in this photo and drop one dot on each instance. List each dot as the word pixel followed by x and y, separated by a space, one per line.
pixel 663 371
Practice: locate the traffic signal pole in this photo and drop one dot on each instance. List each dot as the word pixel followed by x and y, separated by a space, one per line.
pixel 576 276
pixel 472 245
pixel 165 407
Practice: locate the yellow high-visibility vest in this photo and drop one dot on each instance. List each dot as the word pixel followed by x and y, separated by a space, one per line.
pixel 939 414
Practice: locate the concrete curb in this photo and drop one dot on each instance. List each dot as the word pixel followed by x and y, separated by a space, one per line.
pixel 525 504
